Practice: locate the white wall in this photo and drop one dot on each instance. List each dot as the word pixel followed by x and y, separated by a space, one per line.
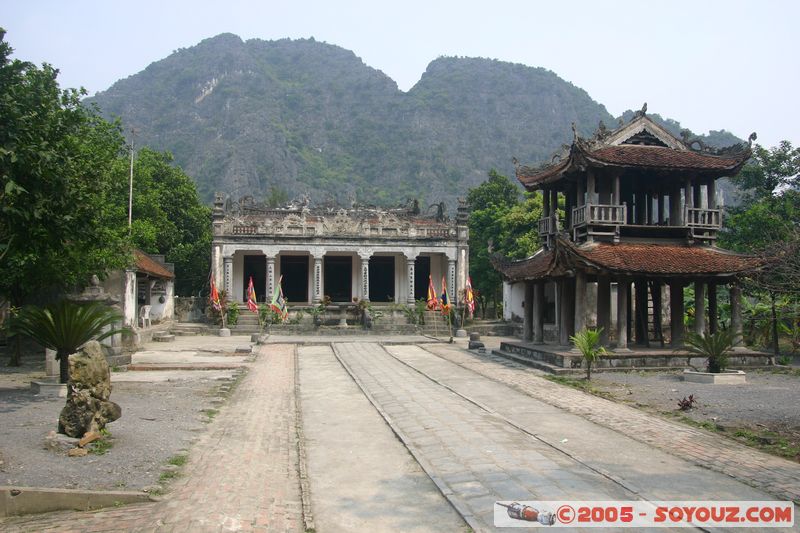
pixel 513 298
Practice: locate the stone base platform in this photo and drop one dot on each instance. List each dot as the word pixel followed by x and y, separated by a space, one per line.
pixel 562 360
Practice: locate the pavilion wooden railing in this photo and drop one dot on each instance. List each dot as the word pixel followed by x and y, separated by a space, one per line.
pixel 696 217
pixel 545 226
pixel 603 214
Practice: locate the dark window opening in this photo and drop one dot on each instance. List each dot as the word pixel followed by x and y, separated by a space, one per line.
pixel 255 266
pixel 294 269
pixel 338 278
pixel 381 279
pixel 422 271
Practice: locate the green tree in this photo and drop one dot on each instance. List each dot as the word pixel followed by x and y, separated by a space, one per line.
pixel 768 224
pixel 502 216
pixel 65 326
pixel 168 217
pixel 56 158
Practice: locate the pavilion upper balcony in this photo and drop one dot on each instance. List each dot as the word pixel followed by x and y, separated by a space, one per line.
pixel 613 221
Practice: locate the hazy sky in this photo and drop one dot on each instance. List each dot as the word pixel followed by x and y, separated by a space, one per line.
pixel 709 64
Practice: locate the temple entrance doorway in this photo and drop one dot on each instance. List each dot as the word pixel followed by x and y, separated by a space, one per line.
pixel 294 269
pixel 255 266
pixel 422 271
pixel 381 279
pixel 338 278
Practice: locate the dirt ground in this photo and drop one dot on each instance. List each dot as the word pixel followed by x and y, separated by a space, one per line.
pixel 160 419
pixel 764 412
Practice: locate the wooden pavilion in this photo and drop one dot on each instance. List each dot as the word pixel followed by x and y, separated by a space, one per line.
pixel 634 209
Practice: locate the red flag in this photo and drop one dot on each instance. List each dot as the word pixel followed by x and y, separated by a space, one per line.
pixel 251 297
pixel 469 297
pixel 445 298
pixel 433 301
pixel 214 296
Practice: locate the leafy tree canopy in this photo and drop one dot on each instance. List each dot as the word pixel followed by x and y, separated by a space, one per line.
pixel 507 219
pixel 56 204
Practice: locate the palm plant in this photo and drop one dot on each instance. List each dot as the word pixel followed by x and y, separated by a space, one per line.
pixel 66 326
pixel 587 341
pixel 714 347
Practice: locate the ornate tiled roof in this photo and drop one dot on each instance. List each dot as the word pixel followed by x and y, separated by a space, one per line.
pixel 641 144
pixel 667 260
pixel 147 265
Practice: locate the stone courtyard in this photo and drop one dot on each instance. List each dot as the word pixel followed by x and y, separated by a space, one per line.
pixel 351 434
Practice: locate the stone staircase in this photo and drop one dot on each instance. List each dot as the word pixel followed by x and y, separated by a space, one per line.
pixel 185 329
pixel 554 363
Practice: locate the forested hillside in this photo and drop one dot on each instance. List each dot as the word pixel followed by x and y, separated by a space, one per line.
pixel 304 117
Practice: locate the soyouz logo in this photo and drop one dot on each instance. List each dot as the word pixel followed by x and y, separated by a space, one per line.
pixel 643 513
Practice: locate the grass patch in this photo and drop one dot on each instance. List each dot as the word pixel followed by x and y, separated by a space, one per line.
pixel 167 476
pixel 210 414
pixel 580 384
pixel 102 445
pixel 178 460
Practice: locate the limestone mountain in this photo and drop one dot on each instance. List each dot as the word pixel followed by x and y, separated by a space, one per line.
pixel 301 117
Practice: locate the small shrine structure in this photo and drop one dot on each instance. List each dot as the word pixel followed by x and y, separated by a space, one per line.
pixel 362 252
pixel 631 212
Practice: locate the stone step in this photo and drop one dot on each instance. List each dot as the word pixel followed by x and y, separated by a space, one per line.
pixel 539 365
pixel 163 337
pixel 184 333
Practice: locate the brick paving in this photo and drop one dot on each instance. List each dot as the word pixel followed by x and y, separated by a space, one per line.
pixel 776 476
pixel 241 475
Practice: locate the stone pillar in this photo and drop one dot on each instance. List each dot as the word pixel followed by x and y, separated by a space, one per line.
pixel 604 308
pixel 451 280
pixel 661 214
pixel 580 300
pixel 623 293
pixel 228 277
pixel 129 302
pixel 410 277
pixel 676 313
pixel 364 276
pixel 538 312
pixel 699 308
pixel 561 291
pixel 545 203
pixel 641 313
pixel 675 216
pixel 712 308
pixel 736 314
pixel 567 311
pixel 317 294
pixel 617 198
pixel 527 330
pixel 712 193
pixel 270 278
pixel 51 365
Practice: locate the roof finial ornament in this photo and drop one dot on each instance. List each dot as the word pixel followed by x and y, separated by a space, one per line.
pixel 644 109
pixel 752 139
pixel 642 112
pixel 515 162
pixel 574 132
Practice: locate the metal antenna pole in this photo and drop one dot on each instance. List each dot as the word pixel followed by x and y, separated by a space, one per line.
pixel 130 186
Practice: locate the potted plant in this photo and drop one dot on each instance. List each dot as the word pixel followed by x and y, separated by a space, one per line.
pixel 715 348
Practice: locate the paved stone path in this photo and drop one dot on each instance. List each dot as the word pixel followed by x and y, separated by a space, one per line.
pixel 474 457
pixel 241 476
pixel 779 477
pixel 361 476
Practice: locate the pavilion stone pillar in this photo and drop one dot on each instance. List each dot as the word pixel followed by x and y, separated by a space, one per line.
pixel 364 275
pixel 567 311
pixel 642 318
pixel 699 308
pixel 538 312
pixel 270 277
pixel 527 330
pixel 623 294
pixel 451 280
pixel 580 300
pixel 410 273
pixel 712 308
pixel 711 193
pixel 129 302
pixel 604 308
pixel 228 276
pixel 676 313
pixel 736 314
pixel 317 296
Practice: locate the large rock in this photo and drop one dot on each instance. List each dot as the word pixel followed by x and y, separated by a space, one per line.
pixel 88 407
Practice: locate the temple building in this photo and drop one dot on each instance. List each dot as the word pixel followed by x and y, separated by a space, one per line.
pixel 365 253
pixel 631 213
